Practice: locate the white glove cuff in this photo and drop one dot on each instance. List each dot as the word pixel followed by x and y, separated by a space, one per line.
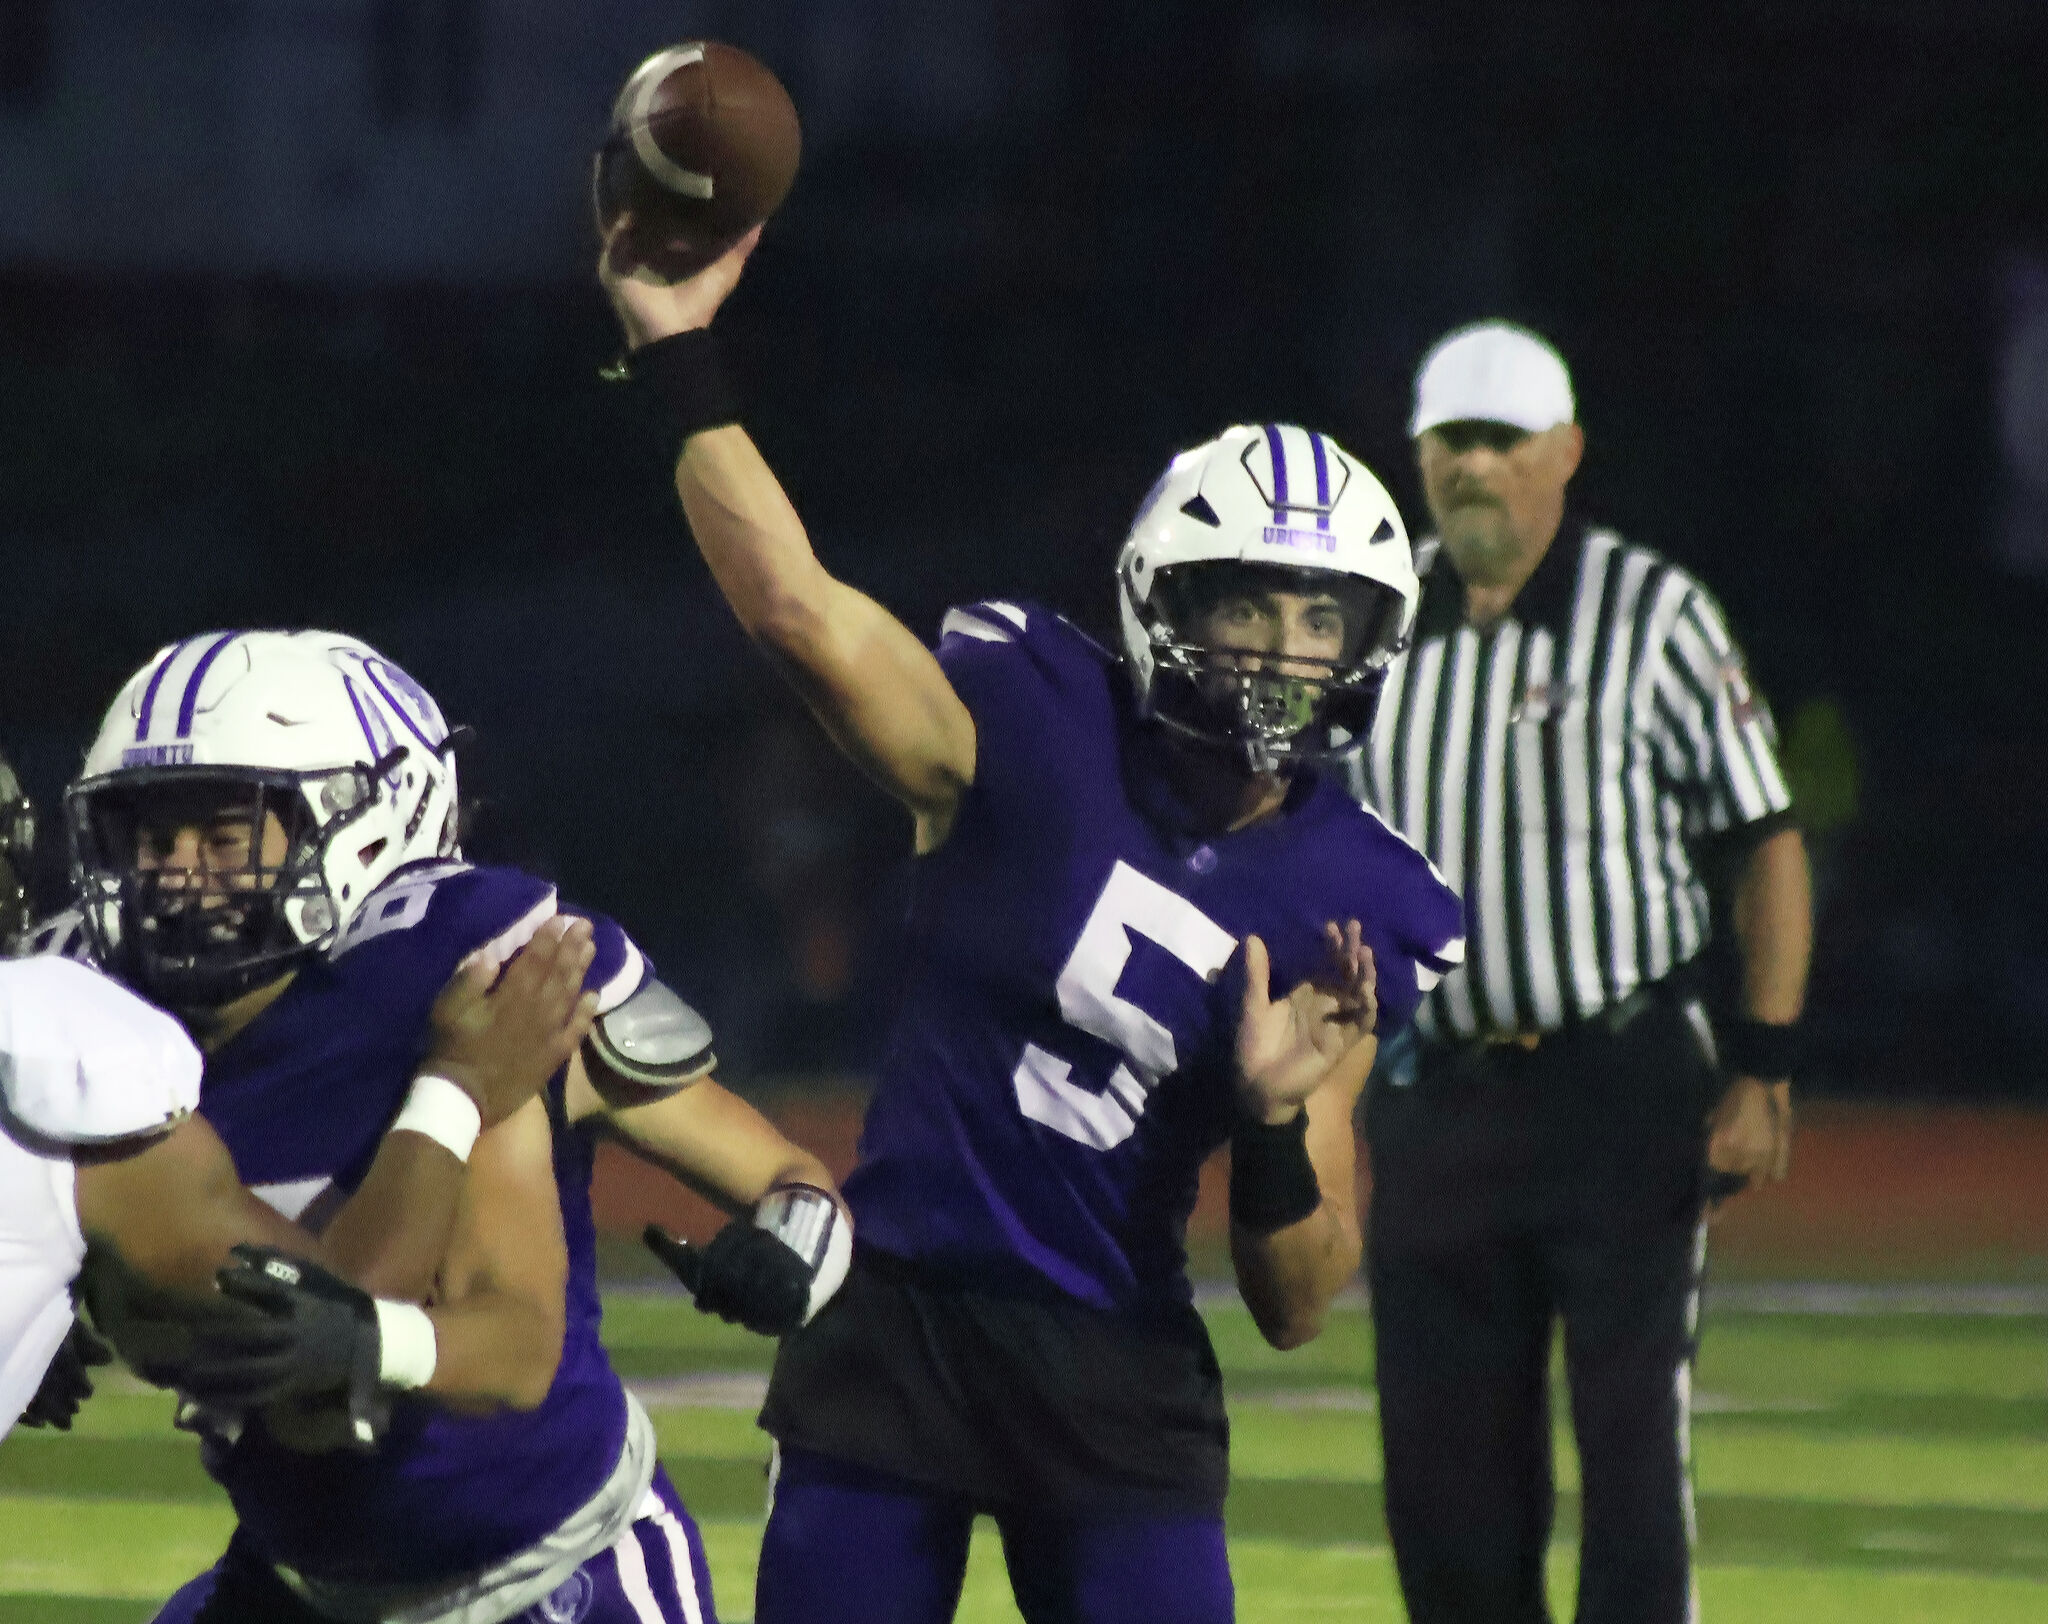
pixel 443 1113
pixel 811 1224
pixel 407 1348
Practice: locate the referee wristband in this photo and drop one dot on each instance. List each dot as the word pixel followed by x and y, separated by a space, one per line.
pixel 407 1347
pixel 1272 1181
pixel 442 1112
pixel 685 373
pixel 1763 1049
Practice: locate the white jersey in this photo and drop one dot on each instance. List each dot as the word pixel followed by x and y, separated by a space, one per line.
pixel 41 1251
pixel 82 1061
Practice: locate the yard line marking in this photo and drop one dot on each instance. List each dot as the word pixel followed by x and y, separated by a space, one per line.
pixel 1842 1298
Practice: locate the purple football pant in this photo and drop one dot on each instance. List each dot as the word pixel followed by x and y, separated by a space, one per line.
pixel 654 1574
pixel 863 1547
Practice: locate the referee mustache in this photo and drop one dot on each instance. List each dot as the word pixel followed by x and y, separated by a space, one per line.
pixel 1466 490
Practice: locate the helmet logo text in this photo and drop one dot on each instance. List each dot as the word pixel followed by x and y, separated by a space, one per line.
pixel 157 755
pixel 1320 541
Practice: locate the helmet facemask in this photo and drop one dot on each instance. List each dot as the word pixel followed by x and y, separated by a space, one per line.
pixel 1272 709
pixel 257 904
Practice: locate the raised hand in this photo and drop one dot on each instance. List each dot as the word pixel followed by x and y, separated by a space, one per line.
pixel 1285 1049
pixel 500 1044
pixel 648 305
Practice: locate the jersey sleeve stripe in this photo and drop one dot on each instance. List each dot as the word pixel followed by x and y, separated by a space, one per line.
pixel 964 623
pixel 500 948
pixel 626 981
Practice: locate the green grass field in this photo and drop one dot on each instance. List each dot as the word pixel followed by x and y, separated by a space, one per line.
pixel 1880 1469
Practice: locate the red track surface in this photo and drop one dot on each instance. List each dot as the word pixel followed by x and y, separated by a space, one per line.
pixel 1877 1192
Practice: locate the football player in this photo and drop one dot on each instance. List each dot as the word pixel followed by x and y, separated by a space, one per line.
pixel 1145 924
pixel 264 842
pixel 105 1173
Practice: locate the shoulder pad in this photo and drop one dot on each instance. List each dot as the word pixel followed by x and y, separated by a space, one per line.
pixel 654 1039
pixel 84 1061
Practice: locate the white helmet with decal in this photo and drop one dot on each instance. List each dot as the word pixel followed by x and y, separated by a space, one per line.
pixel 312 735
pixel 1272 506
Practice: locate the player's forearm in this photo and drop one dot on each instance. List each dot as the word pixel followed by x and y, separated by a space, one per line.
pixel 877 690
pixel 173 1210
pixel 717 1144
pixel 494 1350
pixel 391 1235
pixel 1290 1275
pixel 753 541
pixel 1288 1279
pixel 1772 915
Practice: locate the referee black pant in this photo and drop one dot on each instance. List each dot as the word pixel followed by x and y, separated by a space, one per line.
pixel 1514 1187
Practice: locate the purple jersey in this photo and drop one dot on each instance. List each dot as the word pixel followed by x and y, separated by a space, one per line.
pixel 1061 1066
pixel 302 1099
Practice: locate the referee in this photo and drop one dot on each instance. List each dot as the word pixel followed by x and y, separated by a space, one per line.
pixel 1568 738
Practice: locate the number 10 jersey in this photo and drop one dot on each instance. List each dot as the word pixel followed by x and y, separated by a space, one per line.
pixel 1061 1065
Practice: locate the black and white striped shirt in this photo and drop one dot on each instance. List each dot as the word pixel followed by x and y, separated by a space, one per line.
pixel 1558 768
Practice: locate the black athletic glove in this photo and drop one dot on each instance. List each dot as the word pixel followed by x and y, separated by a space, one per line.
pixel 313 1336
pixel 745 1276
pixel 66 1385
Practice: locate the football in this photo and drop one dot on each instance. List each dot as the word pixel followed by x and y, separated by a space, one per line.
pixel 703 146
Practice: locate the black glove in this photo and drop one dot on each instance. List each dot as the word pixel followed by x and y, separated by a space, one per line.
pixel 313 1336
pixel 745 1276
pixel 65 1384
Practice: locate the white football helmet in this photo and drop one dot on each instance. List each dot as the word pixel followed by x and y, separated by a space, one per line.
pixel 1257 508
pixel 316 729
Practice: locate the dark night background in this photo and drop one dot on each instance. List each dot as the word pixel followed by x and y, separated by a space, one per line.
pixel 298 327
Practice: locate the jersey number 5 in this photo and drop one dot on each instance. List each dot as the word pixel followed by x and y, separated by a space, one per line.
pixel 1046 1092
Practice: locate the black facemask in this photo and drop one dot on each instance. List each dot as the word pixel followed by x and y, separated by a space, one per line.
pixel 195 941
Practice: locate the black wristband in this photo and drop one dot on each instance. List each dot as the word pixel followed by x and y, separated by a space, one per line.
pixel 1272 1181
pixel 684 372
pixel 1763 1049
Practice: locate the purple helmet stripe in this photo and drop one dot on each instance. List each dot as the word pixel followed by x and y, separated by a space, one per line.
pixel 362 721
pixel 1315 444
pixel 190 702
pixel 403 714
pixel 1276 448
pixel 156 681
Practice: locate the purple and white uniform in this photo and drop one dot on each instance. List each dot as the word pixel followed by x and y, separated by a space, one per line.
pixel 1017 1335
pixel 1061 1065
pixel 454 1517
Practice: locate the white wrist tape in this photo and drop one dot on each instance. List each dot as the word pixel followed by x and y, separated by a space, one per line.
pixel 442 1112
pixel 809 1222
pixel 407 1349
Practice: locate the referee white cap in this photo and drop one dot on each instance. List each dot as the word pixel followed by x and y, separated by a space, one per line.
pixel 1492 372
